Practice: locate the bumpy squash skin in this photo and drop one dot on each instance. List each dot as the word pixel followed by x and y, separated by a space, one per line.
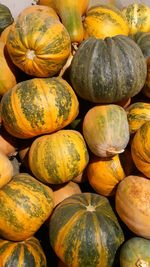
pixel 71 13
pixel 140 149
pixel 105 137
pixel 135 252
pixel 38 106
pixel 138 17
pixel 109 70
pixel 84 231
pixel 102 21
pixel 38 43
pixel 58 157
pixel 25 205
pixel 105 174
pixel 132 200
pixel 7 76
pixel 138 113
pixel 26 253
pixel 6 17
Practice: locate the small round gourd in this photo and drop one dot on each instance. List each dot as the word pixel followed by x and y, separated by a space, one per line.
pixel 59 157
pixel 106 130
pixel 84 231
pixel 140 149
pixel 26 253
pixel 135 252
pixel 109 70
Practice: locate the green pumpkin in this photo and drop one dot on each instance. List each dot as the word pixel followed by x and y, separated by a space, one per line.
pixel 84 231
pixel 6 17
pixel 135 252
pixel 109 70
pixel 26 253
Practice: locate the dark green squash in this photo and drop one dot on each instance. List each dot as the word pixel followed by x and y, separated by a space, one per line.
pixel 6 17
pixel 84 231
pixel 26 253
pixel 135 252
pixel 109 70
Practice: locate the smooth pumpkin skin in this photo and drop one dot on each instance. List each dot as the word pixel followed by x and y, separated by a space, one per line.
pixel 38 43
pixel 6 169
pixel 105 174
pixel 59 157
pixel 84 231
pixel 38 106
pixel 137 113
pixel 102 21
pixel 105 137
pixel 132 203
pixel 49 3
pixel 138 17
pixel 8 143
pixel 135 252
pixel 7 76
pixel 140 149
pixel 26 253
pixel 4 34
pixel 6 17
pixel 25 205
pixel 109 70
pixel 71 13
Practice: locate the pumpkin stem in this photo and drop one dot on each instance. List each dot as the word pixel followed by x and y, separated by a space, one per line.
pixel 30 54
pixel 141 263
pixel 66 66
pixel 113 151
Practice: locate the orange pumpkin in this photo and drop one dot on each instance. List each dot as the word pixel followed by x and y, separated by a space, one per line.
pixel 4 34
pixel 8 143
pixel 6 169
pixel 38 43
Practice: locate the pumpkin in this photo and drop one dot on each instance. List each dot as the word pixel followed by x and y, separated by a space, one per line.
pixel 37 106
pixel 104 175
pixel 64 190
pixel 61 264
pixel 4 34
pixel 23 151
pixel 46 3
pixel 106 130
pixel 8 143
pixel 102 21
pixel 25 253
pixel 7 75
pixel 140 149
pixel 143 40
pixel 71 13
pixel 6 169
pixel 59 157
pixel 6 17
pixel 137 113
pixel 132 203
pixel 109 70
pixel 135 252
pixel 84 231
pixel 38 43
pixel 25 205
pixel 138 17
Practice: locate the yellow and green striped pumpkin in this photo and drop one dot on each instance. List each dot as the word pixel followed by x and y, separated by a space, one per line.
pixel 25 253
pixel 138 17
pixel 102 21
pixel 84 231
pixel 137 113
pixel 58 157
pixel 140 149
pixel 25 204
pixel 38 43
pixel 37 106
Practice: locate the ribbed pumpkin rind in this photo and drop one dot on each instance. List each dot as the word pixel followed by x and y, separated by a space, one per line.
pixel 135 251
pixel 38 44
pixel 103 20
pixel 59 157
pixel 27 253
pixel 25 204
pixel 77 228
pixel 140 149
pixel 38 106
pixel 109 70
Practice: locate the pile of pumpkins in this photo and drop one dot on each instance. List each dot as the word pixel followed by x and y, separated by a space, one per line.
pixel 75 115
